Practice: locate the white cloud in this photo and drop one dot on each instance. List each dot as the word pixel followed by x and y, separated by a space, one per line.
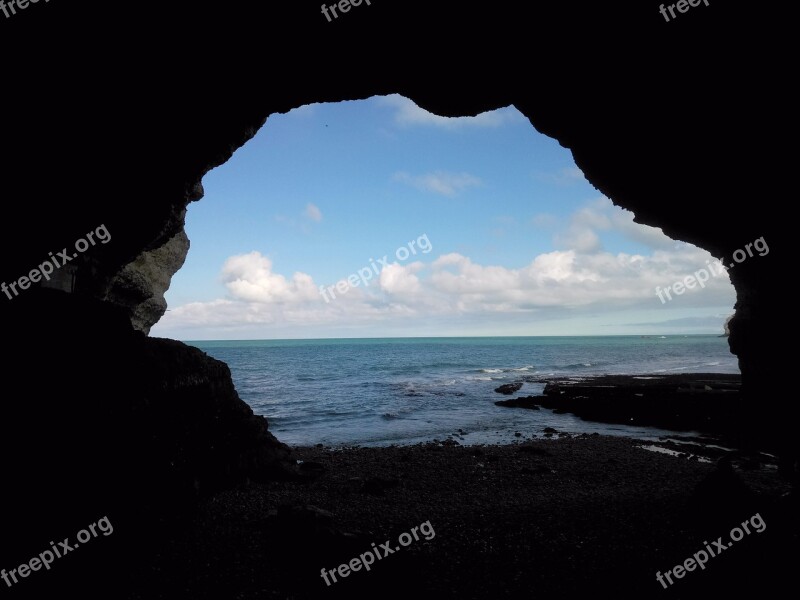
pixel 583 281
pixel 249 277
pixel 440 182
pixel 406 113
pixel 401 280
pixel 581 233
pixel 579 238
pixel 652 237
pixel 313 212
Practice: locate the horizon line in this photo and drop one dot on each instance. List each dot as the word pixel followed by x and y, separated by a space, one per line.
pixel 450 337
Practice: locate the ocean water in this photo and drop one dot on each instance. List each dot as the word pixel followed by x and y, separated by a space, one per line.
pixel 374 392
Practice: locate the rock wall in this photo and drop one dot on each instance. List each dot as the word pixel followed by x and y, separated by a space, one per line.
pixel 141 284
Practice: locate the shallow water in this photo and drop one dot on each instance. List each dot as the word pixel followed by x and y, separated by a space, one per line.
pixel 409 390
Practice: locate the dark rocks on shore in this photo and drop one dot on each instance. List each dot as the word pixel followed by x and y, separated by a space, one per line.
pixel 509 388
pixel 530 402
pixel 497 511
pixel 535 450
pixel 551 389
pixel 708 402
pixel 721 497
pixel 306 516
pixel 540 470
pixel 377 486
pixel 311 469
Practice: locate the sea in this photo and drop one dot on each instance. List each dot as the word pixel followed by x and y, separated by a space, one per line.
pixel 402 391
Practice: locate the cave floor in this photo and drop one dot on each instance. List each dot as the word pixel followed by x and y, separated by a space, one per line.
pixel 561 517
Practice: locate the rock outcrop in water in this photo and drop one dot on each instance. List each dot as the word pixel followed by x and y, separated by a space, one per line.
pixel 508 388
pixel 704 402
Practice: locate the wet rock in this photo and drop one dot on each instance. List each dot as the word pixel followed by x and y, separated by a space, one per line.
pixel 552 389
pixel 530 402
pixel 508 388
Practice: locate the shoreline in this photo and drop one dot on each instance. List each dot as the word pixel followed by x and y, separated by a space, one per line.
pixel 649 406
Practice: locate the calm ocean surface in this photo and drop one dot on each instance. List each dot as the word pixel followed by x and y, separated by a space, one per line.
pixel 406 390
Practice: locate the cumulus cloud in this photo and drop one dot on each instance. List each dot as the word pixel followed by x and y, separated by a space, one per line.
pixel 582 231
pixel 407 113
pixel 580 278
pixel 400 279
pixel 652 237
pixel 440 182
pixel 249 277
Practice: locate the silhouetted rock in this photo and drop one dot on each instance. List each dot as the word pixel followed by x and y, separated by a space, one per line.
pixel 721 499
pixel 508 388
pixel 704 402
pixel 524 402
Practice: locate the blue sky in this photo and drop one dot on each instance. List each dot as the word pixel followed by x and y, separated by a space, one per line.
pixel 509 238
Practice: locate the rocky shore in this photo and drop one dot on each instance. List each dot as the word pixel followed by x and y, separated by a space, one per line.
pixel 704 402
pixel 559 518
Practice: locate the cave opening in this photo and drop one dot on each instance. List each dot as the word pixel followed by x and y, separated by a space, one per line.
pixel 347 247
pixel 103 422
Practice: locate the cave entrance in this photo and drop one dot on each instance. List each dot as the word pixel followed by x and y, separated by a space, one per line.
pixel 372 272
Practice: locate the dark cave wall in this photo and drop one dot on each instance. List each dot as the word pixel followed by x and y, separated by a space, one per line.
pixel 113 113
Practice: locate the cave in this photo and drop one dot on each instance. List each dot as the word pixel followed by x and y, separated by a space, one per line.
pixel 678 122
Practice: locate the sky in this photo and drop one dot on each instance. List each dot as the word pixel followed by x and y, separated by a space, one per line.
pixel 376 218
